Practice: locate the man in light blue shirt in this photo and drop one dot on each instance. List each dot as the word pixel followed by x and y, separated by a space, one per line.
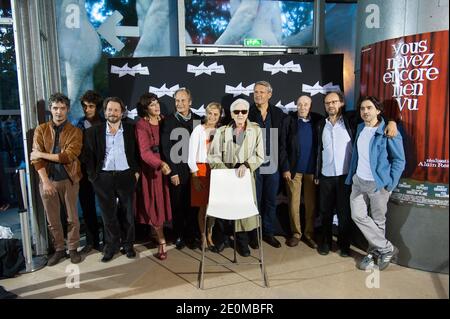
pixel 115 158
pixel 112 163
pixel 334 139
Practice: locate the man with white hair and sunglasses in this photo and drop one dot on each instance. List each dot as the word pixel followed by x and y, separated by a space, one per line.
pixel 239 145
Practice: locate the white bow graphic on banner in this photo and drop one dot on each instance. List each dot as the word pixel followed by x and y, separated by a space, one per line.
pixel 200 111
pixel 278 67
pixel 122 71
pixel 197 70
pixel 316 89
pixel 164 90
pixel 291 106
pixel 132 114
pixel 238 90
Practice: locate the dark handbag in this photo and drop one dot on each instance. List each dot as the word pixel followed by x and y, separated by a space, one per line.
pixel 11 257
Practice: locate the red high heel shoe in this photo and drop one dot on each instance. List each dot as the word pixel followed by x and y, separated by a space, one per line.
pixel 161 255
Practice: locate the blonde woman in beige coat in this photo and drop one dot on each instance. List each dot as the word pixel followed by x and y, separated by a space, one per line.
pixel 239 145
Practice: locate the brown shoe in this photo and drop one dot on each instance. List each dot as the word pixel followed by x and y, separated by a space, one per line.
pixel 75 256
pixel 309 242
pixel 292 242
pixel 57 256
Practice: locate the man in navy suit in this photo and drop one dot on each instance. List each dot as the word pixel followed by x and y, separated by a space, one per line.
pixel 270 119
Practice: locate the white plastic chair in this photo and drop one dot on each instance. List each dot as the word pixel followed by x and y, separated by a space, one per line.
pixel 231 198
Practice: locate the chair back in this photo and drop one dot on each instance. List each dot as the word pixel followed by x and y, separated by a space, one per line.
pixel 231 197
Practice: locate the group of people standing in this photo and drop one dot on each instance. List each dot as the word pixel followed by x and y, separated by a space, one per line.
pixel 157 171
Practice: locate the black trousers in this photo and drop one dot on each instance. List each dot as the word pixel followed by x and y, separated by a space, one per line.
pixel 335 195
pixel 184 217
pixel 223 229
pixel 86 196
pixel 115 193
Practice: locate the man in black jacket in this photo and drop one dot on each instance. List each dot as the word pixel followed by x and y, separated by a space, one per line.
pixel 334 139
pixel 112 164
pixel 270 119
pixel 91 102
pixel 298 153
pixel 176 130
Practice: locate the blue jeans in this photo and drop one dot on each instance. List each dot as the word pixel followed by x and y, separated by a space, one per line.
pixel 266 194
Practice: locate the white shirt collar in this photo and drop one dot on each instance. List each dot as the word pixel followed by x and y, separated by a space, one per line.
pixel 303 119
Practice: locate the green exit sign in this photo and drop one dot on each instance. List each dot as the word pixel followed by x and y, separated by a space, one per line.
pixel 252 42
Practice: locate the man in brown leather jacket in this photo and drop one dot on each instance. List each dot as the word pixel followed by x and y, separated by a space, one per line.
pixel 56 147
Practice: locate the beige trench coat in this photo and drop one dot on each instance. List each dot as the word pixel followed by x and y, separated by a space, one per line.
pixel 224 153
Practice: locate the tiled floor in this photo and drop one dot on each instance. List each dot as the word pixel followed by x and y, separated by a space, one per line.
pixel 297 272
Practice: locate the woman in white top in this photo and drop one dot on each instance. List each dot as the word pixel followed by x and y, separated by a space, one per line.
pixel 199 143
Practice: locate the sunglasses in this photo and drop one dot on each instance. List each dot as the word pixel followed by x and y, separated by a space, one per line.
pixel 236 112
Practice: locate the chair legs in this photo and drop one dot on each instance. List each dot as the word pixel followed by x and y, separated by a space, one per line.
pixel 261 256
pixel 261 253
pixel 234 244
pixel 202 262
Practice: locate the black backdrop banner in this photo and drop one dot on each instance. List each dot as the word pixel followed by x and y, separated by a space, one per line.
pixel 223 78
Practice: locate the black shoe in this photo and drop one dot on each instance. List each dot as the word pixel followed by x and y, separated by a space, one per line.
pixel 217 248
pixel 130 252
pixel 243 250
pixel 254 244
pixel 272 241
pixel 309 242
pixel 107 256
pixel 4 294
pixel 179 243
pixel 193 244
pixel 344 252
pixel 323 249
pixel 228 242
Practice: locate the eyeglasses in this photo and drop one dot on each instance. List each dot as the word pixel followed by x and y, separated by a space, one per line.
pixel 332 102
pixel 236 112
